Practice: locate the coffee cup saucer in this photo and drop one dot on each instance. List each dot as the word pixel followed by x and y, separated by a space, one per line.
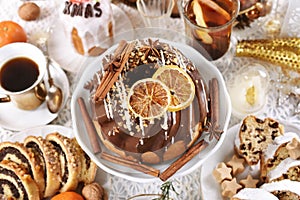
pixel 15 119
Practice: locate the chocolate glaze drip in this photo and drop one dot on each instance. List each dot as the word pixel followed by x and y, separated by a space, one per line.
pixel 201 95
pixel 160 140
pixel 15 177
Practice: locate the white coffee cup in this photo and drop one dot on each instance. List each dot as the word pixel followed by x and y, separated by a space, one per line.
pixel 22 70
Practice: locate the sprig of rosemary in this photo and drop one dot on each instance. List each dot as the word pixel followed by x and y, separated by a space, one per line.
pixel 166 189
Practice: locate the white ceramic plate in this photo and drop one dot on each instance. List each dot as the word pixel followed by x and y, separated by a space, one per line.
pixel 101 176
pixel 13 118
pixel 207 70
pixel 63 52
pixel 209 186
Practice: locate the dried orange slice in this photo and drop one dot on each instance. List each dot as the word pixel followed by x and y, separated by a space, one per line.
pixel 180 84
pixel 149 98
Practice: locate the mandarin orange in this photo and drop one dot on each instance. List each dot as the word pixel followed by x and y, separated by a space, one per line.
pixel 11 32
pixel 70 195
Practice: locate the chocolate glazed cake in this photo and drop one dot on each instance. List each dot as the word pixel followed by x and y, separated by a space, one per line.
pixel 150 141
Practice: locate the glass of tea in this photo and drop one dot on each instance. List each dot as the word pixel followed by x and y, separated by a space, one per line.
pixel 155 13
pixel 22 69
pixel 209 23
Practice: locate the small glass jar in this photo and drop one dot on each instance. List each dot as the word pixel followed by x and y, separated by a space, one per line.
pixel 248 90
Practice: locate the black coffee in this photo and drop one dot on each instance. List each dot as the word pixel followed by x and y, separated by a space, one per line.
pixel 18 74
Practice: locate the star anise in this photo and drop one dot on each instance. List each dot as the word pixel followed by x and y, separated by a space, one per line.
pixel 151 49
pixel 214 131
pixel 112 65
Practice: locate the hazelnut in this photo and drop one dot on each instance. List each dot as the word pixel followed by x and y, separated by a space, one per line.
pixel 29 11
pixel 93 191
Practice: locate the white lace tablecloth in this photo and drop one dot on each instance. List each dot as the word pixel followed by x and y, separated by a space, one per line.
pixel 188 187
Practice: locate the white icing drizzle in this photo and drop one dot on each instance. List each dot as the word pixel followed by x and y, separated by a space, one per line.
pixel 162 58
pixel 165 123
pixel 123 98
pixel 92 30
pixel 283 185
pixel 174 117
pixel 191 119
pixel 142 127
pixel 282 168
pixel 254 194
pixel 166 135
pixel 141 141
pixel 180 60
pixel 108 107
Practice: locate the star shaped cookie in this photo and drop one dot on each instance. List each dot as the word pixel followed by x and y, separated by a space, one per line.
pixel 249 182
pixel 294 148
pixel 222 172
pixel 230 188
pixel 236 164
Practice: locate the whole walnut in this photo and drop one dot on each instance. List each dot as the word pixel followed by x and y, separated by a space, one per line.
pixel 93 191
pixel 29 11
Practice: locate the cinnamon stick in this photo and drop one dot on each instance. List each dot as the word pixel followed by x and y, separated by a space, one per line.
pixel 92 133
pixel 111 76
pixel 129 163
pixel 214 109
pixel 180 162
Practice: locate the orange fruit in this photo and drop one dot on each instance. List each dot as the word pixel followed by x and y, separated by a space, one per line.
pixel 149 98
pixel 180 84
pixel 67 196
pixel 11 32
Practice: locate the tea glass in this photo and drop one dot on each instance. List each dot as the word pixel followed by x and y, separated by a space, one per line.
pixel 212 24
pixel 28 98
pixel 155 13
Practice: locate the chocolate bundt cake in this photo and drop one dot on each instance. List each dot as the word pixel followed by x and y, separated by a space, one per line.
pixel 50 162
pixel 18 153
pixel 130 136
pixel 16 182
